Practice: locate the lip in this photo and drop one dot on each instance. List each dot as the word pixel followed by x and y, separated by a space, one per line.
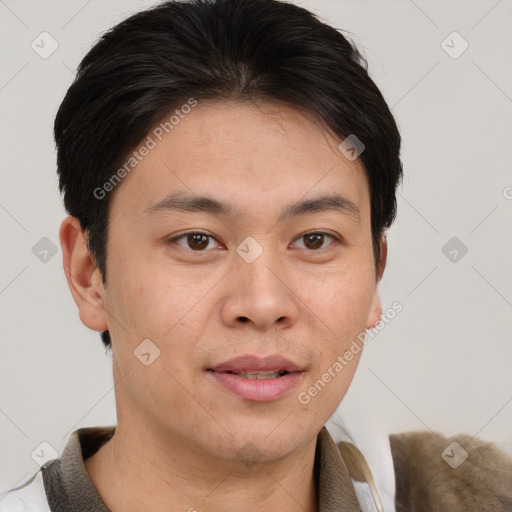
pixel 254 363
pixel 261 390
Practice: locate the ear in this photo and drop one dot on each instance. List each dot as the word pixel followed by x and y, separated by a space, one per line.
pixel 376 307
pixel 84 279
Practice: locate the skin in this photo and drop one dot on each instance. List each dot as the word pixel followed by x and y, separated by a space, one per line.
pixel 179 432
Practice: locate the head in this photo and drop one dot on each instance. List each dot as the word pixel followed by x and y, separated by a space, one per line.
pixel 213 212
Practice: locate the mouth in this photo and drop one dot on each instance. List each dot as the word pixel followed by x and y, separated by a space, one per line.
pixel 264 386
pixel 273 366
pixel 257 379
pixel 258 375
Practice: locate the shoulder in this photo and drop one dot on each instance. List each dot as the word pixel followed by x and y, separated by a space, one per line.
pixel 27 497
pixel 458 473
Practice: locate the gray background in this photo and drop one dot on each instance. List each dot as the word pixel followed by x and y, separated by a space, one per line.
pixel 444 363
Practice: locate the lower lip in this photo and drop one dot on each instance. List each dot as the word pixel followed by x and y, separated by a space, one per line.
pixel 258 390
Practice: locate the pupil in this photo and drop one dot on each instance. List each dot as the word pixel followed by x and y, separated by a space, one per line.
pixel 316 239
pixel 198 241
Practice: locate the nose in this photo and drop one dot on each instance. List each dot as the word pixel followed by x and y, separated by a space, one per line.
pixel 260 294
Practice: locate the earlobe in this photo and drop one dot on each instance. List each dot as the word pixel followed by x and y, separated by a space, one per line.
pixel 375 311
pixel 84 279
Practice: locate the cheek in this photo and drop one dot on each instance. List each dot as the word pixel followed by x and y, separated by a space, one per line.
pixel 148 297
pixel 341 301
pixel 156 306
pixel 167 307
pixel 342 308
pixel 339 304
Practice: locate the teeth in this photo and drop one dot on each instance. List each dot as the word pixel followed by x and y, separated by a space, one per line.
pixel 260 375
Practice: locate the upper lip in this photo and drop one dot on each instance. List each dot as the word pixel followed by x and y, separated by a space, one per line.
pixel 254 363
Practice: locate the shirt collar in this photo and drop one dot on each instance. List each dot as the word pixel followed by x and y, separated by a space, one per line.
pixel 335 489
pixel 69 488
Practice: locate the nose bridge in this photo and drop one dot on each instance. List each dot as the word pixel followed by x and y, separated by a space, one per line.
pixel 259 265
pixel 260 274
pixel 260 293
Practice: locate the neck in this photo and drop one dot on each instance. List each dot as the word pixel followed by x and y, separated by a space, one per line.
pixel 137 471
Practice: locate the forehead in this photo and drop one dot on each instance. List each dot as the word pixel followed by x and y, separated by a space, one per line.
pixel 242 153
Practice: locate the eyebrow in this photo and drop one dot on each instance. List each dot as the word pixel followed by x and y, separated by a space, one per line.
pixel 182 201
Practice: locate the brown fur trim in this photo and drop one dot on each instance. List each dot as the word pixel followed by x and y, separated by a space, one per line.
pixel 431 475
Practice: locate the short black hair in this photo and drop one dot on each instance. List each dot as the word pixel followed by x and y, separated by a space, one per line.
pixel 158 59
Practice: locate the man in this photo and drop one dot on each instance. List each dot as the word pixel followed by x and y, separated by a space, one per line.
pixel 230 171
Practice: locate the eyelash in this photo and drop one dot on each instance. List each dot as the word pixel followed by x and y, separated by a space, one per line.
pixel 183 235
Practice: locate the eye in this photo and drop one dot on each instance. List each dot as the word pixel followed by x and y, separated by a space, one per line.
pixel 314 240
pixel 195 240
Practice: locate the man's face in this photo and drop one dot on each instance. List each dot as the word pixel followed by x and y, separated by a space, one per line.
pixel 253 284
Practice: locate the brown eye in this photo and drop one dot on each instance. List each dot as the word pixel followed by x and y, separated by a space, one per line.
pixel 314 241
pixel 198 241
pixel 195 241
